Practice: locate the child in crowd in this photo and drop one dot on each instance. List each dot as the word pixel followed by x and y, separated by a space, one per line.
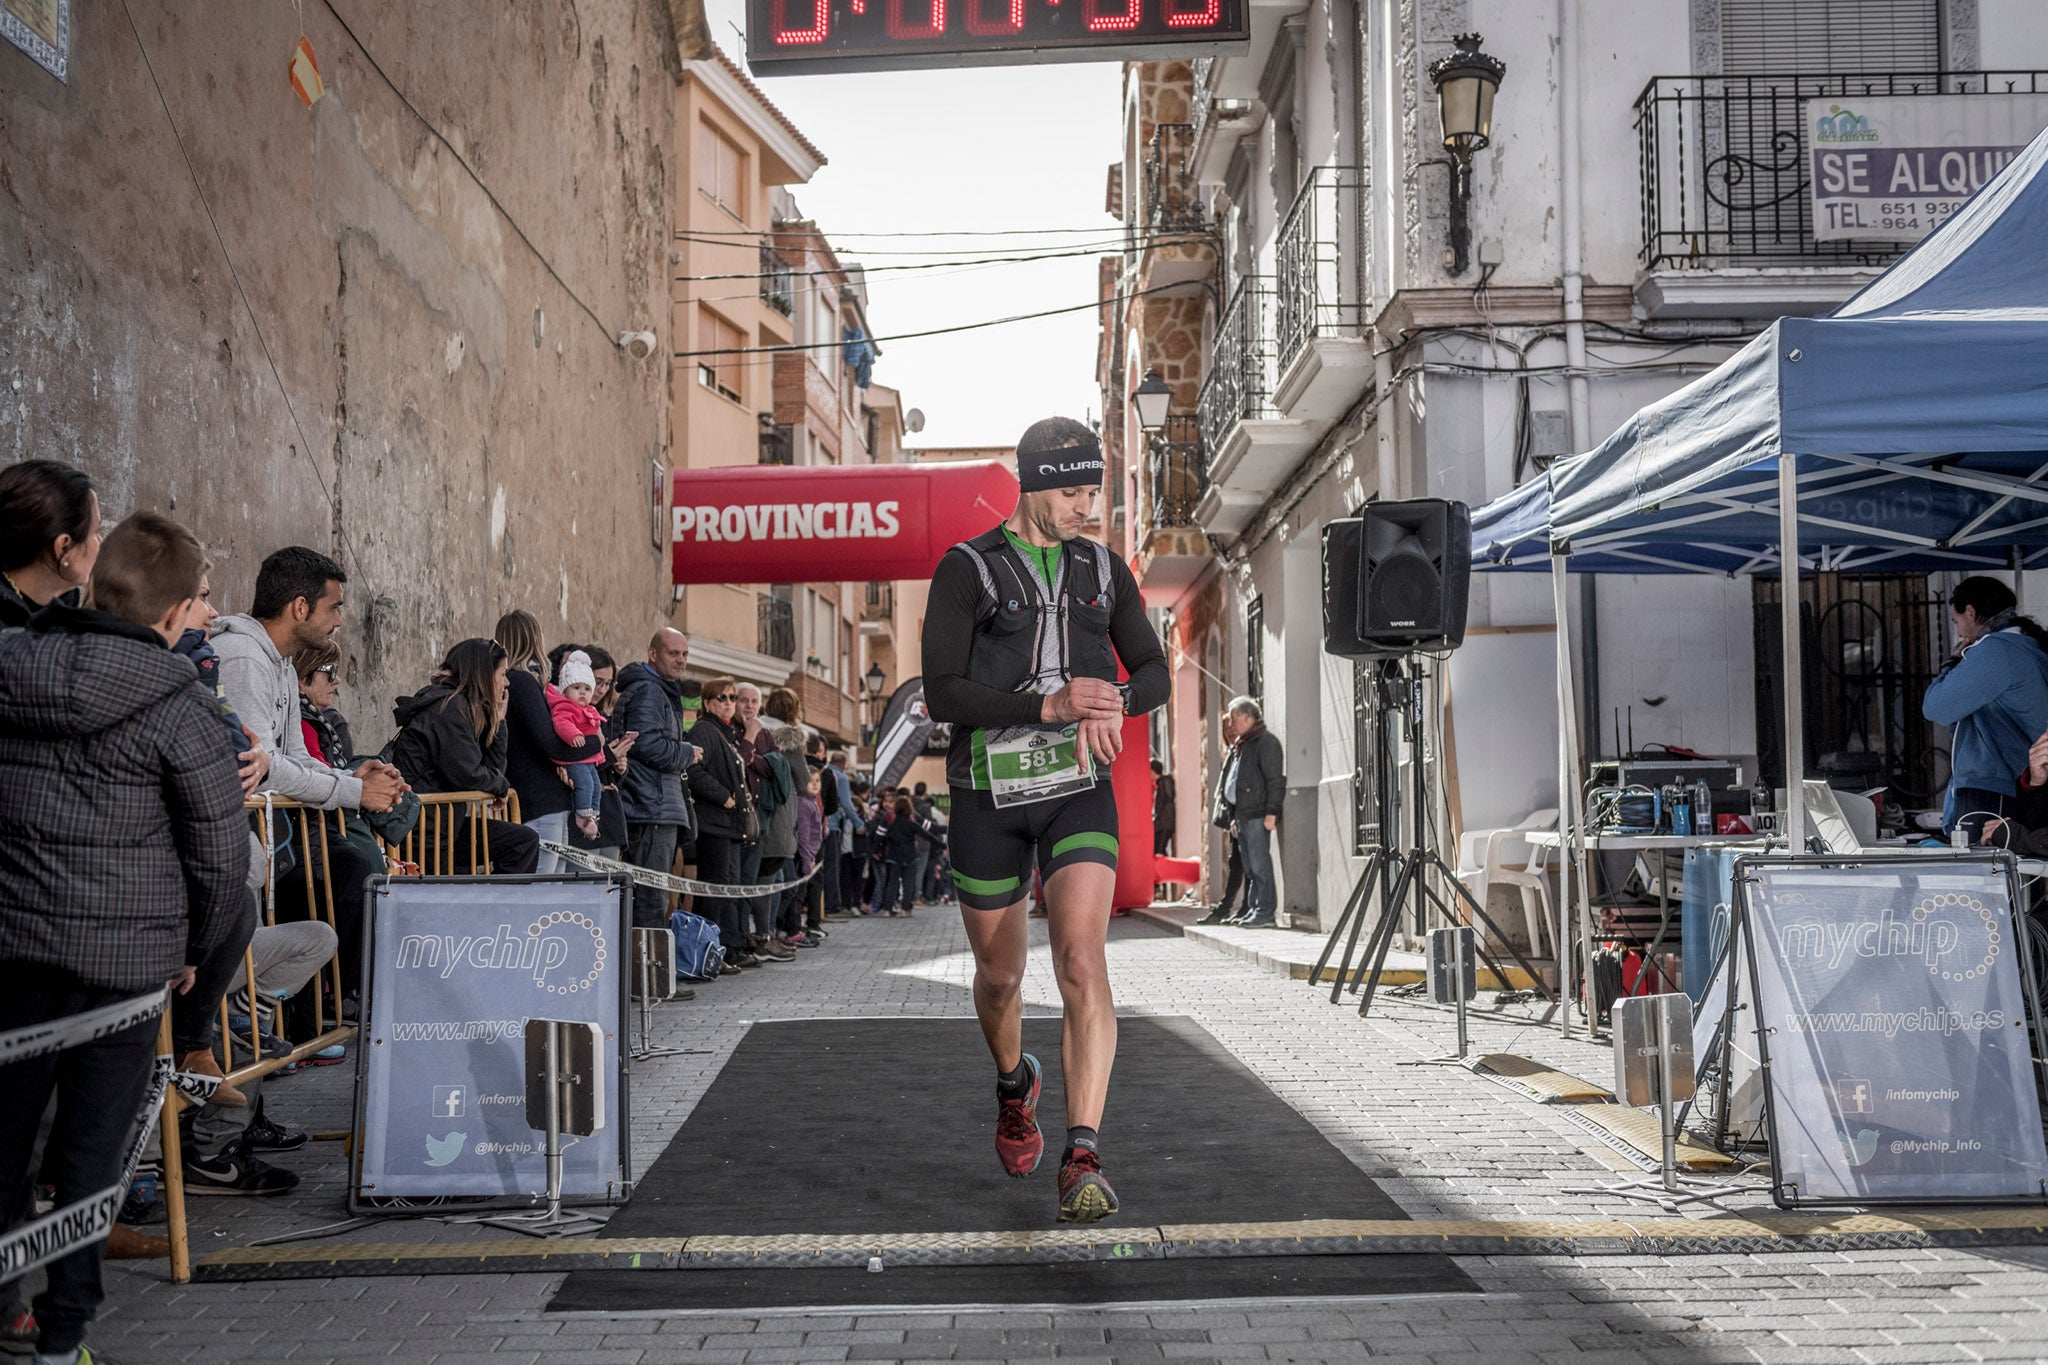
pixel 580 724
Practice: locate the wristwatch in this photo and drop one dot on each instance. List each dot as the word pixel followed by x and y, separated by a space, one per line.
pixel 1123 690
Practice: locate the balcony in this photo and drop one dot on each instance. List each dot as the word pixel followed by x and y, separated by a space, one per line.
pixel 1727 216
pixel 1172 549
pixel 880 602
pixel 1173 200
pixel 1251 447
pixel 777 626
pixel 778 281
pixel 777 445
pixel 1324 258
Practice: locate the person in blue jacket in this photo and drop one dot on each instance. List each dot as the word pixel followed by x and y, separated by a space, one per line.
pixel 1994 696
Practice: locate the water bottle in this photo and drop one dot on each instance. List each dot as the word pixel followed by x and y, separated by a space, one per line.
pixel 1760 797
pixel 1681 810
pixel 1702 808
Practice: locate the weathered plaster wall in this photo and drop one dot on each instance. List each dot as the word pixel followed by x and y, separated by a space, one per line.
pixel 460 430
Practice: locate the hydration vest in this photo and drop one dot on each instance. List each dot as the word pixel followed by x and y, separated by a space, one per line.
pixel 1033 637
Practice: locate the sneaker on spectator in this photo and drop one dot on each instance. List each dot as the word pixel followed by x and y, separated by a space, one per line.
pixel 273 1046
pixel 264 1136
pixel 742 959
pixel 729 968
pixel 326 1056
pixel 141 1206
pixel 132 1244
pixel 18 1329
pixel 202 1064
pixel 771 950
pixel 233 1171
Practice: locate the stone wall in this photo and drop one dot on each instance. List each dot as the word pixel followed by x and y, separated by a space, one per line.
pixel 319 326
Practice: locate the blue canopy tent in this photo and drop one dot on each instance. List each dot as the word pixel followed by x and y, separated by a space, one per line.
pixel 1915 417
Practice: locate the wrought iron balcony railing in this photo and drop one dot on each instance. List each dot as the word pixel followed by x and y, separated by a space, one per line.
pixel 1202 102
pixel 1239 385
pixel 1180 473
pixel 1725 162
pixel 1323 259
pixel 777 620
pixel 880 602
pixel 1173 200
pixel 778 280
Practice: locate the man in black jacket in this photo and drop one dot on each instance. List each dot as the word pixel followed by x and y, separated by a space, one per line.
pixel 657 811
pixel 124 855
pixel 1254 786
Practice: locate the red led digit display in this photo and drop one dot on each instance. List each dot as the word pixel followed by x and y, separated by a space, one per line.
pixel 788 36
pixel 1010 18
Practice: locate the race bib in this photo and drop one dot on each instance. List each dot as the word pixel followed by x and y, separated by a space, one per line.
pixel 1036 763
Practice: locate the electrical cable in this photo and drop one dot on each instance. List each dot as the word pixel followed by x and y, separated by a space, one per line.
pixel 249 309
pixel 610 333
pixel 876 269
pixel 931 332
pixel 924 232
pixel 1106 245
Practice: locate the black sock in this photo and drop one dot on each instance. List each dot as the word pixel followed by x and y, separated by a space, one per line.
pixel 1014 1084
pixel 1081 1138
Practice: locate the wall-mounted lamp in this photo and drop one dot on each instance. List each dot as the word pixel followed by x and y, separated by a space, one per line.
pixel 1152 398
pixel 1465 84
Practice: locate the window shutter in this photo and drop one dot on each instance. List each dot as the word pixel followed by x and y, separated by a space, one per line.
pixel 1830 36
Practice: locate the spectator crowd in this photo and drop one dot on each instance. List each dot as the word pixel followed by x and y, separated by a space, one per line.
pixel 144 739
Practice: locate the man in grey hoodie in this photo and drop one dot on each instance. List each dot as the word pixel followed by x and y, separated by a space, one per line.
pixel 298 603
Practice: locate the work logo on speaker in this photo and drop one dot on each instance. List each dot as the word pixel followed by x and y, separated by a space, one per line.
pixel 458 967
pixel 1893 1020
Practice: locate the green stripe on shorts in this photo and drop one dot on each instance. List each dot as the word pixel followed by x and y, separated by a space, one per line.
pixel 1086 839
pixel 983 887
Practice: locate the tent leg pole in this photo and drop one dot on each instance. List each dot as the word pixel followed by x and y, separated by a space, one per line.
pixel 1789 635
pixel 1571 846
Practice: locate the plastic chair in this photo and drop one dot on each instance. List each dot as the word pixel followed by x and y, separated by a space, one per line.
pixel 1505 857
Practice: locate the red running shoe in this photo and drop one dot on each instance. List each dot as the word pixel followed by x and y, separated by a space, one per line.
pixel 1018 1141
pixel 1085 1195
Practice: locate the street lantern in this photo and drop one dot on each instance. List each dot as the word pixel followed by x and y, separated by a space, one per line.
pixel 872 681
pixel 1152 399
pixel 1465 84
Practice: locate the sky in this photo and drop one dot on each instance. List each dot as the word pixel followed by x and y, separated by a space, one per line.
pixel 980 149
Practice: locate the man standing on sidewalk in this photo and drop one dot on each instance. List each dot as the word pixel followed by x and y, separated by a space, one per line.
pixel 1254 787
pixel 657 812
pixel 124 855
pixel 1223 816
pixel 1023 635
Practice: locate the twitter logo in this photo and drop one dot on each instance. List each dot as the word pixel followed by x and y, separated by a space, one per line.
pixel 1862 1148
pixel 441 1151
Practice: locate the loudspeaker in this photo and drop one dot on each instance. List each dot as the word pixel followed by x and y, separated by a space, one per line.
pixel 1414 574
pixel 1341 541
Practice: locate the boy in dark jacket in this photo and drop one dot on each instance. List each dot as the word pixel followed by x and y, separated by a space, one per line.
pixel 124 855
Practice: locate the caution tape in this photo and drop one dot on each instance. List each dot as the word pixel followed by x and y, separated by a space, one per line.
pixel 648 877
pixel 40 1040
pixel 63 1231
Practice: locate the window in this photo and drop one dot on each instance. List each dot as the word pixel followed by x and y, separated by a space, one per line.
pixel 1760 36
pixel 720 368
pixel 721 170
pixel 1255 650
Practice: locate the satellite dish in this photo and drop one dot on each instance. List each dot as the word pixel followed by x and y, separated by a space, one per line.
pixel 913 421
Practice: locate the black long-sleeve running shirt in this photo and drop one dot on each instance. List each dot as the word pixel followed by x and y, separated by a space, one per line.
pixel 949 623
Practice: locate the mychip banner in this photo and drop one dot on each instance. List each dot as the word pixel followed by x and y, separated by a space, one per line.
pixel 1893 1028
pixel 458 965
pixel 1894 169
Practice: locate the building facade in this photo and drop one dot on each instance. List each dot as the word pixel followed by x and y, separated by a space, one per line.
pixel 774 369
pixel 1641 211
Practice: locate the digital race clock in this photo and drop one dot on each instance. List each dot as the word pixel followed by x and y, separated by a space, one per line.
pixel 789 36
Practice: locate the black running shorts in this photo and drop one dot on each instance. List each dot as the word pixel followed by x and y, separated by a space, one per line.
pixel 993 847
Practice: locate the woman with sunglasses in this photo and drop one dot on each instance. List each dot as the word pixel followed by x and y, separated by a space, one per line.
pixel 718 795
pixel 317 690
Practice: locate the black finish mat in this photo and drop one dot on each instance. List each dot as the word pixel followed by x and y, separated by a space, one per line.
pixel 874 1126
pixel 1069 1282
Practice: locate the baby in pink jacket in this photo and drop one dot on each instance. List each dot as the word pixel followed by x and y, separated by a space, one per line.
pixel 579 724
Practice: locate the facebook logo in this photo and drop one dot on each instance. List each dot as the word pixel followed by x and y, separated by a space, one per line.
pixel 450 1101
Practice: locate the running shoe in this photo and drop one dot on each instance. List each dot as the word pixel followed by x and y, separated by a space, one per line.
pixel 18 1330
pixel 1085 1195
pixel 1018 1142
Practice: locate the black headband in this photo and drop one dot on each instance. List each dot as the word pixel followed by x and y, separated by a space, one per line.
pixel 1067 467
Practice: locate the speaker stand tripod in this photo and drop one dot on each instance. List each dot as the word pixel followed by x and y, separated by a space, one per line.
pixel 1398 873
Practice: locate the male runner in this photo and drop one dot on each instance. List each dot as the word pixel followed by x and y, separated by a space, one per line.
pixel 1018 640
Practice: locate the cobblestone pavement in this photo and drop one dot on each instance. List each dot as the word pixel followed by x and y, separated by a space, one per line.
pixel 1443 1142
